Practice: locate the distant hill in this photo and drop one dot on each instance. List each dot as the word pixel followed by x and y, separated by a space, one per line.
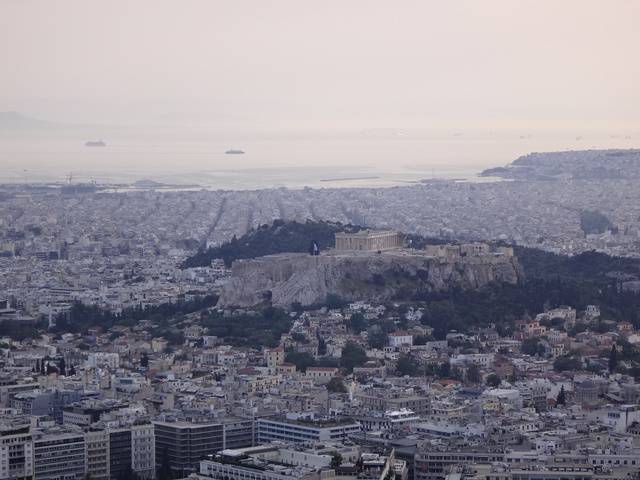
pixel 576 165
pixel 291 237
pixel 17 121
pixel 279 237
pixel 550 280
pixel 284 237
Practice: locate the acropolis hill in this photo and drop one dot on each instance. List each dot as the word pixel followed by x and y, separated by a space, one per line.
pixel 359 270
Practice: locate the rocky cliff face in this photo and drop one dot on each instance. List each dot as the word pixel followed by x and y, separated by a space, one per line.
pixel 288 278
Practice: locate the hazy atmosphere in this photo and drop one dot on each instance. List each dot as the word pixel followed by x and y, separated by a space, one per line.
pixel 319 240
pixel 289 65
pixel 396 90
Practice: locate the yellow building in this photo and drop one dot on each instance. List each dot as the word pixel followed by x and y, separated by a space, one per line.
pixel 274 357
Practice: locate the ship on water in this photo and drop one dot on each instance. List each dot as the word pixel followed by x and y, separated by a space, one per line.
pixel 95 143
pixel 234 152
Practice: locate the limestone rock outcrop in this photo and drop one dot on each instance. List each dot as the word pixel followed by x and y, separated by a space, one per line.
pixel 285 279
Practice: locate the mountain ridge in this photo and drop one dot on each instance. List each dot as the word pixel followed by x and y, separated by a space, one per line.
pixel 609 164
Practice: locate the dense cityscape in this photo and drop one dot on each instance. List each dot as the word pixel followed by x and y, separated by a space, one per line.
pixel 303 240
pixel 117 362
pixel 124 249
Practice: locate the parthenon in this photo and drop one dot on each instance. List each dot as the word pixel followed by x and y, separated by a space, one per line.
pixel 368 240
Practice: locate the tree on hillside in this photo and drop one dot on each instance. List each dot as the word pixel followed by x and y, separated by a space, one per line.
pixel 473 373
pixel 493 380
pixel 613 359
pixel 567 363
pixel 444 370
pixel 407 365
pixel 377 337
pixel 593 221
pixel 562 397
pixel 442 317
pixel 532 346
pixel 336 385
pixel 322 346
pixel 302 360
pixel 336 460
pixel 356 323
pixel 456 373
pixel 51 369
pixel 352 356
pixel 335 301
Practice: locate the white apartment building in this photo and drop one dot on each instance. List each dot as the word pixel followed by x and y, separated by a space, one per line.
pixel 103 360
pixel 143 450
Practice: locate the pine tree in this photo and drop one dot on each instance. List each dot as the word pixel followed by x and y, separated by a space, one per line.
pixel 562 397
pixel 144 360
pixel 336 460
pixel 613 359
pixel 473 374
pixel 322 346
pixel 493 380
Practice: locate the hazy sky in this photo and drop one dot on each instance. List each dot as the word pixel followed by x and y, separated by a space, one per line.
pixel 324 64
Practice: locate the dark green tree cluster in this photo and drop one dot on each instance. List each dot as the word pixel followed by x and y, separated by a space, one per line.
pixel 257 331
pixel 356 323
pixel 613 359
pixel 593 221
pixel 562 397
pixel 567 363
pixel 532 346
pixel 278 237
pixel 443 370
pixel 20 330
pixel 630 354
pixel 550 280
pixel 302 360
pixel 81 317
pixel 336 385
pixel 502 304
pixel 493 380
pixel 336 460
pixel 352 356
pixel 473 374
pixel 407 365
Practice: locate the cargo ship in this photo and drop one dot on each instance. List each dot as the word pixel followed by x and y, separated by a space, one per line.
pixel 234 152
pixel 95 143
